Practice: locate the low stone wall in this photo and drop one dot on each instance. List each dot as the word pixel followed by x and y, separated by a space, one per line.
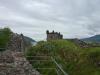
pixel 6 57
pixel 14 63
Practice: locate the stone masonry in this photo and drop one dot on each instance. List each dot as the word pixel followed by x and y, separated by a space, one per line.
pixel 13 61
pixel 53 35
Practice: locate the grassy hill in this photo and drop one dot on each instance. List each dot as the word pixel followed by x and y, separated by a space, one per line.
pixel 4 37
pixel 73 59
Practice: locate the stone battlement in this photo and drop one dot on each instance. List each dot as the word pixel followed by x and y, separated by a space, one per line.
pixel 53 35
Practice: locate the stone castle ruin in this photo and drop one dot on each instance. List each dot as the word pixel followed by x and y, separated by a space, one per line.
pixel 13 61
pixel 56 36
pixel 53 35
pixel 17 43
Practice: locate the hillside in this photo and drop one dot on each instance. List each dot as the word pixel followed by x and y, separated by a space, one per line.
pixel 28 39
pixel 95 39
pixel 73 59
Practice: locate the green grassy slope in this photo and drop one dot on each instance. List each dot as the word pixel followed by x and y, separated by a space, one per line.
pixel 4 37
pixel 73 59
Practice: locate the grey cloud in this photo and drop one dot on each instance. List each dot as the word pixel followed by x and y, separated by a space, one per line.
pixel 77 18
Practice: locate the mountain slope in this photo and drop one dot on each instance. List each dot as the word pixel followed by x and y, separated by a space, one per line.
pixel 95 39
pixel 28 39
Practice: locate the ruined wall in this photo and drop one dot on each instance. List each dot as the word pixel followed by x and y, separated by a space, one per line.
pixel 13 61
pixel 53 35
pixel 15 43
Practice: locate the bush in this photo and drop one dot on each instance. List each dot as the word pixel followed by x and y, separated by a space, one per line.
pixel 73 59
pixel 4 37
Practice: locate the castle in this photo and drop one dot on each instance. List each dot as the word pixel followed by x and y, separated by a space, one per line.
pixel 53 35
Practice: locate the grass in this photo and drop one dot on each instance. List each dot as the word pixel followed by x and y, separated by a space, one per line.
pixel 73 59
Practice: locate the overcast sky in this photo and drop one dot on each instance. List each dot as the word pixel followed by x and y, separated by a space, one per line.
pixel 73 18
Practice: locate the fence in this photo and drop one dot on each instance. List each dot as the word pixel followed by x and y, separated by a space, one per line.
pixel 50 67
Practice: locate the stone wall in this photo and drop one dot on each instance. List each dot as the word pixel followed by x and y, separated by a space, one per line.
pixel 53 35
pixel 15 43
pixel 13 61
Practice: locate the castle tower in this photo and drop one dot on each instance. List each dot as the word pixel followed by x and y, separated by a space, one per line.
pixel 53 35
